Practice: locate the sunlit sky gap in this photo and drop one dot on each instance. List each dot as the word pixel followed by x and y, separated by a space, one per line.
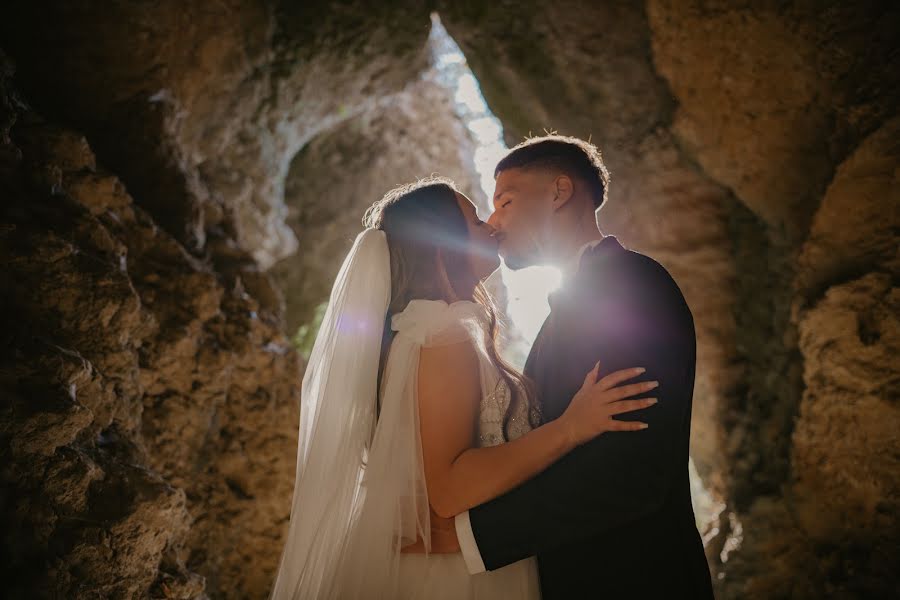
pixel 527 289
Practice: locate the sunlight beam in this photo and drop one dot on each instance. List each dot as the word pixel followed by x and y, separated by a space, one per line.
pixel 526 289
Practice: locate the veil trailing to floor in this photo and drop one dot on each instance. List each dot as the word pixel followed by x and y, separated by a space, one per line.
pixel 359 494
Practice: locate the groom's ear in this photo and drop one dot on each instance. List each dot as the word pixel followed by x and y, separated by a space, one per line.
pixel 564 191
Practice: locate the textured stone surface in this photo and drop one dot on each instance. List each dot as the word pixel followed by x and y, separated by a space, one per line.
pixel 857 223
pixel 844 460
pixel 148 432
pixel 536 59
pixel 772 95
pixel 335 178
pixel 201 107
pixel 844 443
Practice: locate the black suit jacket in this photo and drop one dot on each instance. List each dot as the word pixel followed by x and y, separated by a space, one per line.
pixel 613 518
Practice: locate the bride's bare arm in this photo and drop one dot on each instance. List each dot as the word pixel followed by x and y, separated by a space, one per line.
pixel 458 474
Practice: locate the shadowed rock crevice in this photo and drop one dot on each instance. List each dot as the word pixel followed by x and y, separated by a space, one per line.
pixel 760 419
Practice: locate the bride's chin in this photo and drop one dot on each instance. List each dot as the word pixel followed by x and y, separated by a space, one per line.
pixel 490 270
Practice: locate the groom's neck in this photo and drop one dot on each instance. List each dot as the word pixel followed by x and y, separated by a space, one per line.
pixel 570 239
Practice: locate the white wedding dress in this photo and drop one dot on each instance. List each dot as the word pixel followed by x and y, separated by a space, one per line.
pixel 444 576
pixel 359 492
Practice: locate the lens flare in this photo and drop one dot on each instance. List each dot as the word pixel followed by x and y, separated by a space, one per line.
pixel 526 289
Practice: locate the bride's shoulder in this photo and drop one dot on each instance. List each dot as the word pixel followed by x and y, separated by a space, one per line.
pixel 424 319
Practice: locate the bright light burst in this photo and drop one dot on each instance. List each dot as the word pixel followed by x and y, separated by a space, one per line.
pixel 527 289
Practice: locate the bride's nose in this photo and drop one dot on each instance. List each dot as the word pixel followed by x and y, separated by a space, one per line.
pixel 490 223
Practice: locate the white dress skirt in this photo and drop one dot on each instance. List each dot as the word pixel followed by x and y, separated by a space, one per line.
pixel 446 578
pixel 360 493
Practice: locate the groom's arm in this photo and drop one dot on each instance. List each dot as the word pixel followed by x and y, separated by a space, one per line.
pixel 618 476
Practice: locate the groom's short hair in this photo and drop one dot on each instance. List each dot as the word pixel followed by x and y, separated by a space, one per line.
pixel 572 156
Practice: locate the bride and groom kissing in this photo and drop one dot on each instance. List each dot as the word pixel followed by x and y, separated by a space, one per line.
pixel 427 467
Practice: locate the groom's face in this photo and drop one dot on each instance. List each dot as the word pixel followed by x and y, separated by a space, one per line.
pixel 523 207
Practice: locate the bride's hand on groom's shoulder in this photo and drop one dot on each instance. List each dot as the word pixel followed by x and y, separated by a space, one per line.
pixel 592 409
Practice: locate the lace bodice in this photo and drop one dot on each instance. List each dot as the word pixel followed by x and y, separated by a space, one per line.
pixel 434 322
pixel 493 411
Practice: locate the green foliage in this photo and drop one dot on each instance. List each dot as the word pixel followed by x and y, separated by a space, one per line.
pixel 306 334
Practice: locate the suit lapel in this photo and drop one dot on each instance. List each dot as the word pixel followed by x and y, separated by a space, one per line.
pixel 542 367
pixel 553 363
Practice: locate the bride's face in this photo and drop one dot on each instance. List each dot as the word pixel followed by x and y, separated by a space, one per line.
pixel 482 250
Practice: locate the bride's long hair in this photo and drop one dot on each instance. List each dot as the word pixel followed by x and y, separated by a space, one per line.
pixel 427 240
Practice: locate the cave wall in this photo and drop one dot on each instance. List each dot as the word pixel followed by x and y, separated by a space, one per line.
pixel 808 154
pixel 337 175
pixel 147 427
pixel 266 76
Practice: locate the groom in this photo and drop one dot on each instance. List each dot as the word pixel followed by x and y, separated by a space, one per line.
pixel 612 519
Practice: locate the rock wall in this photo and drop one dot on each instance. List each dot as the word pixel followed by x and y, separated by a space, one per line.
pixel 148 425
pixel 337 176
pixel 812 154
pixel 201 108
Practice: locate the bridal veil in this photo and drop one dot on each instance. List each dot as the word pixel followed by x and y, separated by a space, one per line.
pixel 359 493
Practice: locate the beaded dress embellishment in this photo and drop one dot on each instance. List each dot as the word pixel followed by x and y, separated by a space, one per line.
pixel 493 410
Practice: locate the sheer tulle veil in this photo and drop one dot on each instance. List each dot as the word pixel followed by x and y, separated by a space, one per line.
pixel 359 493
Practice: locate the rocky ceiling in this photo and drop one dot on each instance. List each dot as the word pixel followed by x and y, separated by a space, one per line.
pixel 181 178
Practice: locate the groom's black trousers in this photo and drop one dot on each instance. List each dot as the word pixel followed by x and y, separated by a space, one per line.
pixel 612 519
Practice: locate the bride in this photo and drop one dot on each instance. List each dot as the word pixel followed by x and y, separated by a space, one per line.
pixel 409 416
